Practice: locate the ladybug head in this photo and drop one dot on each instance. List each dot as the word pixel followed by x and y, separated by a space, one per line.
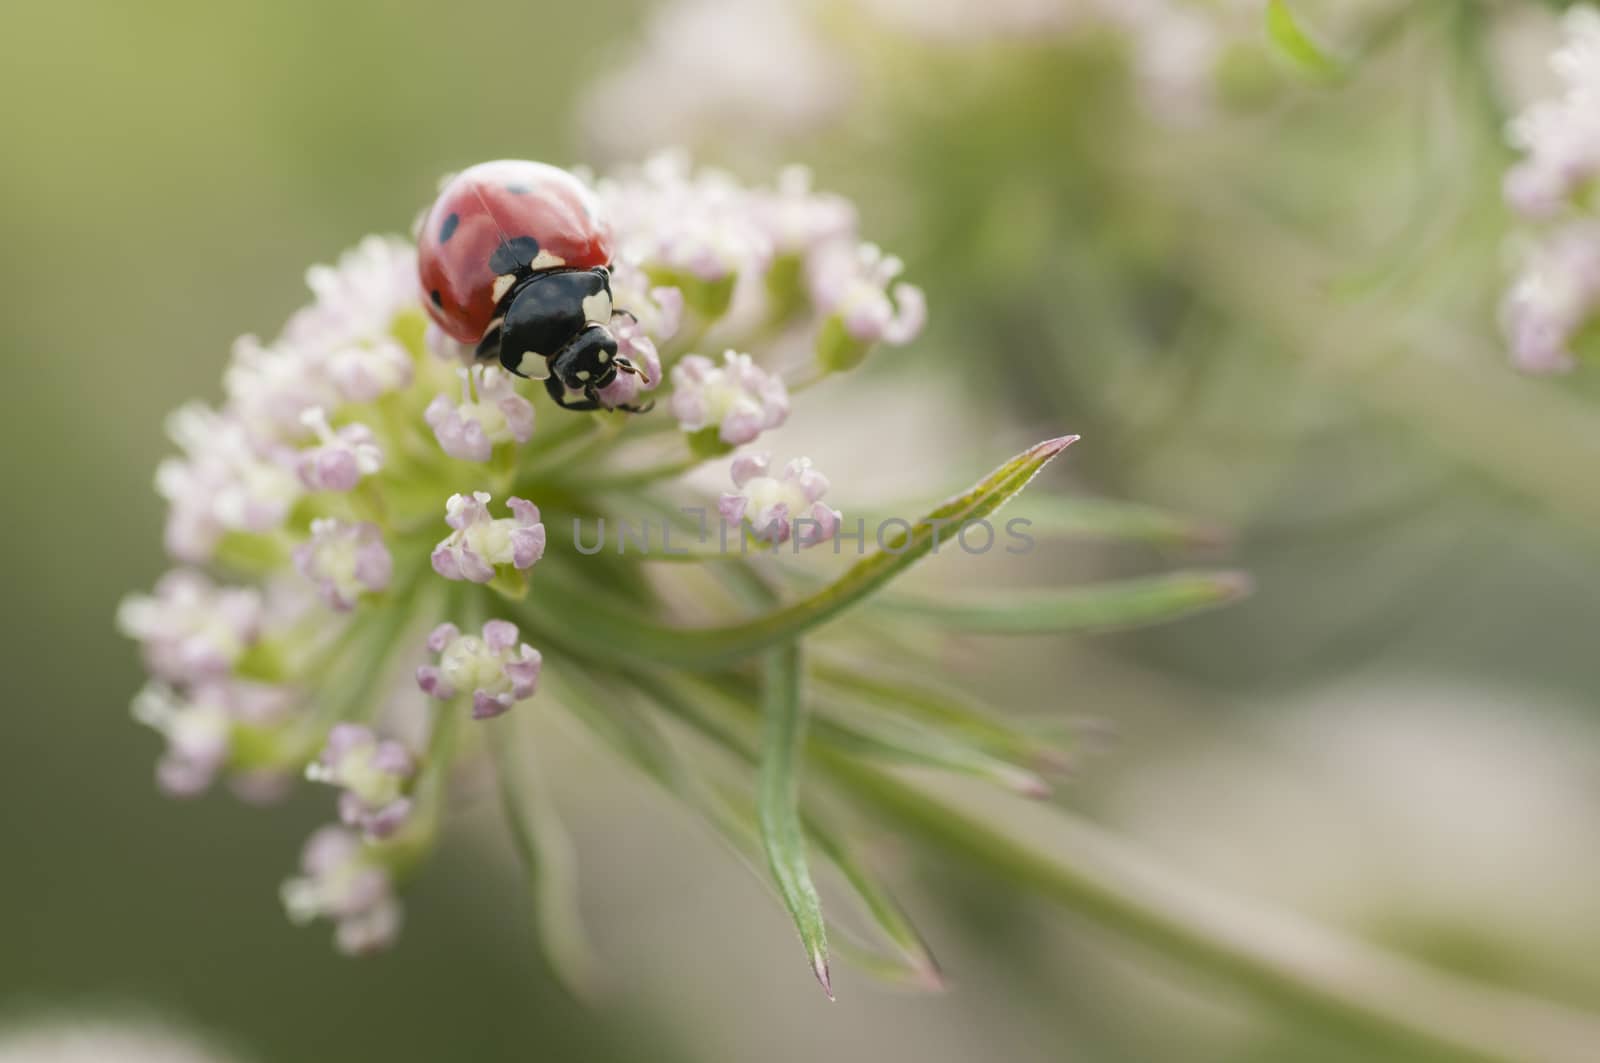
pixel 590 362
pixel 557 324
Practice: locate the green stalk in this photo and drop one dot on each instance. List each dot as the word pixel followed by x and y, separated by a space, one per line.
pixel 1344 985
pixel 631 479
pixel 545 851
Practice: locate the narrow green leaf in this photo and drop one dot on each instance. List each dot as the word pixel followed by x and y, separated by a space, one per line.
pixel 734 818
pixel 886 914
pixel 911 965
pixel 882 737
pixel 846 727
pixel 941 709
pixel 1096 607
pixel 549 865
pixel 1284 31
pixel 633 735
pixel 778 804
pixel 566 613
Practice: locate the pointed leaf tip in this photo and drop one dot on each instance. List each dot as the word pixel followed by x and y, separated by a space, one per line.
pixel 778 804
pixel 1232 586
pixel 1029 784
pixel 1042 452
pixel 819 966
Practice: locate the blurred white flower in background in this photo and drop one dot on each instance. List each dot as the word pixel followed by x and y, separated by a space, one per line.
pixel 1439 814
pixel 62 1039
pixel 1560 136
pixel 710 63
pixel 1555 298
pixel 741 73
pixel 963 20
pixel 1551 311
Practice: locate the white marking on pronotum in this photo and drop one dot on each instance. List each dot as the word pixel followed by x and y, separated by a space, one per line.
pixel 534 366
pixel 597 309
pixel 545 260
pixel 583 374
pixel 605 356
pixel 502 284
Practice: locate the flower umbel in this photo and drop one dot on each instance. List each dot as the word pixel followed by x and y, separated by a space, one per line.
pixel 343 881
pixel 372 773
pixel 340 459
pixel 734 402
pixel 345 560
pixel 496 669
pixel 780 507
pixel 482 545
pixel 490 414
pixel 315 492
pixel 191 629
pixel 855 287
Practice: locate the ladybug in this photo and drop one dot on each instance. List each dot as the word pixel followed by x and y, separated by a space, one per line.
pixel 514 257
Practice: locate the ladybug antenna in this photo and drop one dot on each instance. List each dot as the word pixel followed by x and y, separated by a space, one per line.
pixel 628 367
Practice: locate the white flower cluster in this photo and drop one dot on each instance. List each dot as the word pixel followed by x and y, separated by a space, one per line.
pixel 346 482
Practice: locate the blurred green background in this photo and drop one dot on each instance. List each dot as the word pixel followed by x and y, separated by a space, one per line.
pixel 1395 735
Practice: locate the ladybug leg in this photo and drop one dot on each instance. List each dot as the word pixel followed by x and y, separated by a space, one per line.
pixel 558 392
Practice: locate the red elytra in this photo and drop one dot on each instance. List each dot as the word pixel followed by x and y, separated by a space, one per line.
pixel 497 218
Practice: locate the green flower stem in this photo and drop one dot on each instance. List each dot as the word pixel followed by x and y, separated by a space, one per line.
pixel 565 430
pixel 564 445
pixel 405 853
pixel 1344 985
pixel 358 664
pixel 548 861
pixel 635 478
pixel 940 709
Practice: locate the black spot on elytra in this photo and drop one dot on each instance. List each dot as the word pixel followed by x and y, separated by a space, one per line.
pixel 437 299
pixel 448 229
pixel 513 255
